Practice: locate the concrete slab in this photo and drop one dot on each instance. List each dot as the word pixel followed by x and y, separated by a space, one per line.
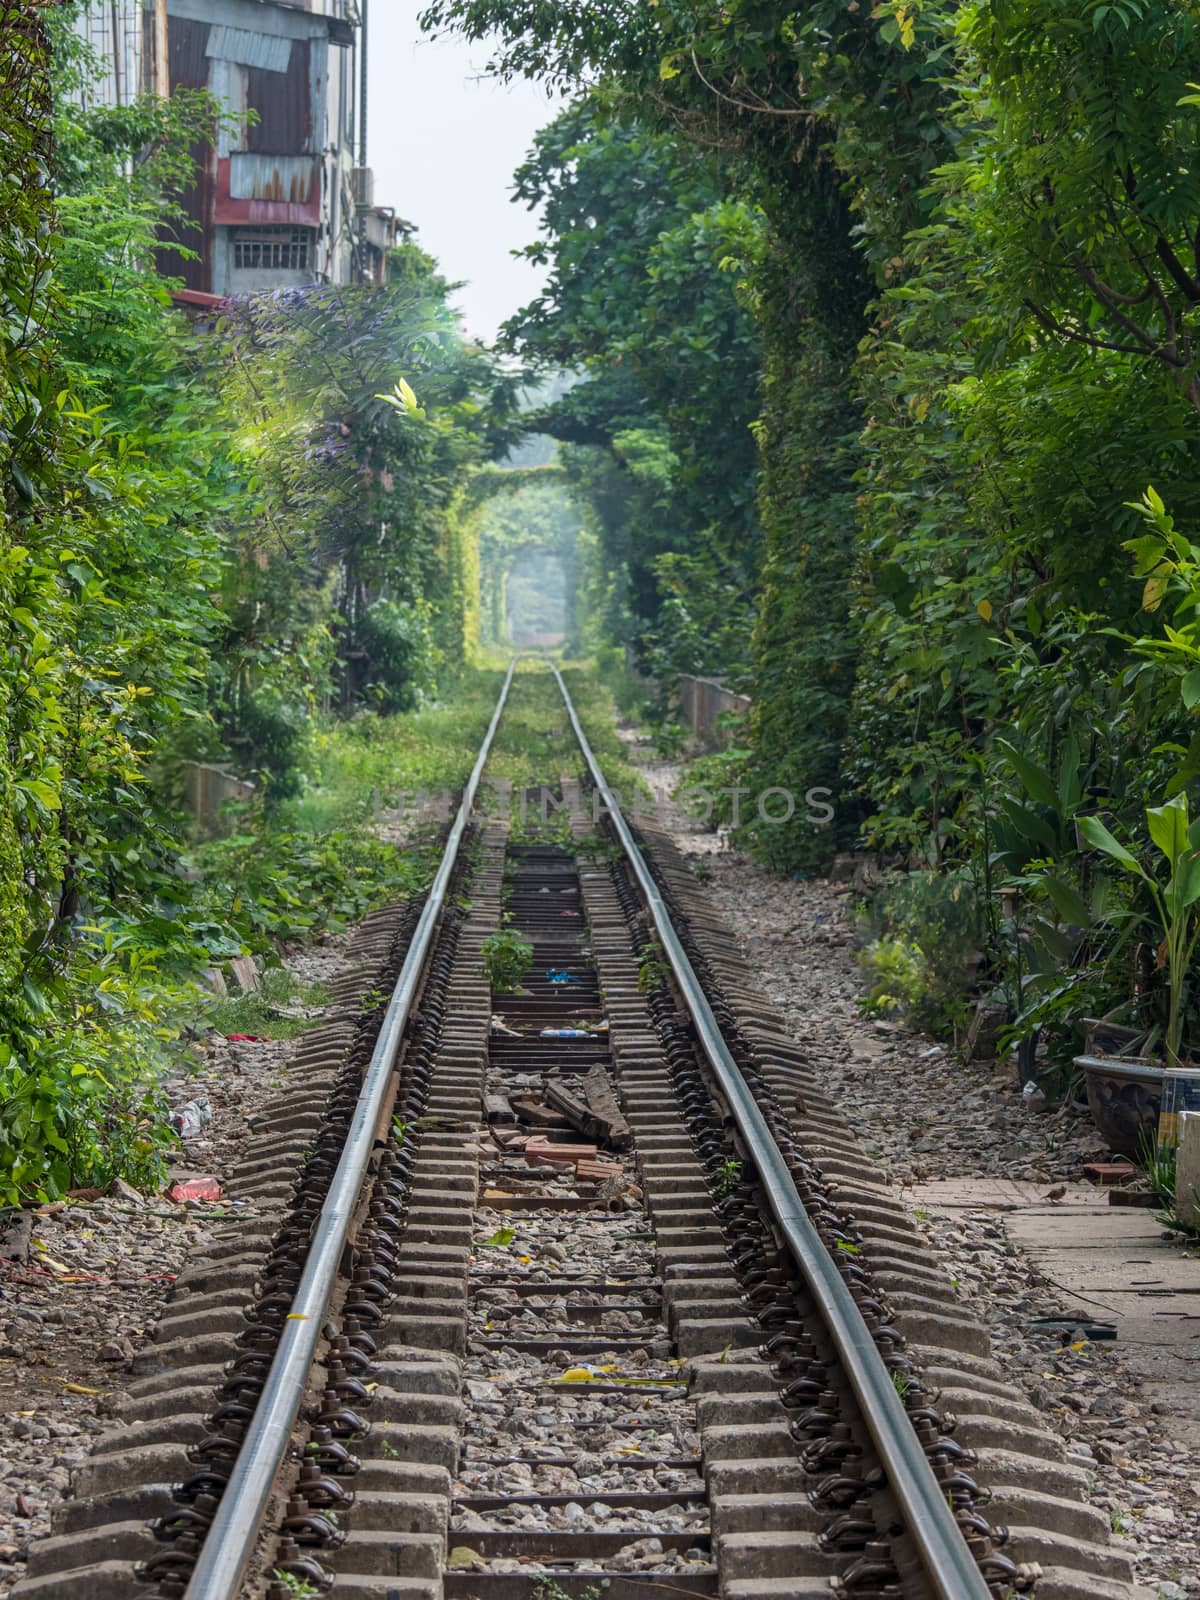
pixel 996 1194
pixel 1107 1262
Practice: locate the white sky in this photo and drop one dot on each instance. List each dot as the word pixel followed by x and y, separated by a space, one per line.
pixel 444 143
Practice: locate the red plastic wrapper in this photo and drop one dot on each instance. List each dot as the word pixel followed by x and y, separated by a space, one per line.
pixel 194 1189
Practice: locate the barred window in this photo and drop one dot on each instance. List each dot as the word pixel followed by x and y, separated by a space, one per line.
pixel 280 248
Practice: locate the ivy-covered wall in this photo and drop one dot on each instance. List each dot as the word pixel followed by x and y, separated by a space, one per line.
pixel 213 539
pixel 26 413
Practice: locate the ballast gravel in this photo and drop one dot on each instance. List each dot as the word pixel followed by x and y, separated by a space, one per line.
pixel 925 1114
pixel 611 1422
pixel 98 1270
pixel 1148 1484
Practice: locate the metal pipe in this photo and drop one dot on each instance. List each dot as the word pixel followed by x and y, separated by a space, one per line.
pixel 951 1568
pixel 362 83
pixel 162 56
pixel 117 54
pixel 234 1530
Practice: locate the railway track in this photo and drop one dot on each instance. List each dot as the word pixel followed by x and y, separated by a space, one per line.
pixel 584 1290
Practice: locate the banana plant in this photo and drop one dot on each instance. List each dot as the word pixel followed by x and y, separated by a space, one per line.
pixel 1178 840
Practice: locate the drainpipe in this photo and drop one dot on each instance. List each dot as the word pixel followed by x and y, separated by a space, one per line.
pixel 162 60
pixel 118 97
pixel 362 134
pixel 362 84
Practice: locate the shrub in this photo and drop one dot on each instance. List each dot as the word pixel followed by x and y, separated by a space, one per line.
pixel 926 948
pixel 506 958
pixel 79 1061
pixel 898 977
pixel 401 659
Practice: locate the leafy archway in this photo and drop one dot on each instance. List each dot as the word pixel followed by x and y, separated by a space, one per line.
pixel 537 599
pixel 522 518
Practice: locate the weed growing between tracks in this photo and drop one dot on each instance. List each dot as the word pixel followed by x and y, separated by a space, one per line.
pixel 535 745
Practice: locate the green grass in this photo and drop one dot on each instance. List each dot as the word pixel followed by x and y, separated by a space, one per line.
pixel 369 756
pixel 433 749
pixel 319 863
pixel 271 884
pixel 598 714
pixel 263 1011
pixel 535 745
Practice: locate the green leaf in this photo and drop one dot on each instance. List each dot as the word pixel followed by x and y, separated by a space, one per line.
pixel 1152 593
pixel 501 1237
pixel 1031 827
pixel 1184 888
pixel 1168 826
pixel 1189 688
pixel 1037 781
pixel 1070 781
pixel 1067 901
pixel 44 793
pixel 1098 836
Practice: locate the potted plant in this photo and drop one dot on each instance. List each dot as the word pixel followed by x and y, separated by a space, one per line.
pixel 1125 1093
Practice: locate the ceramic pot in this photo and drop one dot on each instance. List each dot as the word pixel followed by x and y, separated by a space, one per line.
pixel 1124 1094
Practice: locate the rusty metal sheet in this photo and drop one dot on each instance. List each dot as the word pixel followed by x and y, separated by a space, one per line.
pixel 284 102
pixel 188 65
pixel 268 51
pixel 268 190
pixel 187 43
pixel 257 177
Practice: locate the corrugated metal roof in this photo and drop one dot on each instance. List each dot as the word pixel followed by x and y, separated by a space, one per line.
pixel 255 177
pixel 267 51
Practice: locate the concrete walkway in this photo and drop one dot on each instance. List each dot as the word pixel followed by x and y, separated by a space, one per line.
pixel 1110 1264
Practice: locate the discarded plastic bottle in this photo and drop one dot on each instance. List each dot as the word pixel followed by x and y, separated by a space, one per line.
pixel 566 1033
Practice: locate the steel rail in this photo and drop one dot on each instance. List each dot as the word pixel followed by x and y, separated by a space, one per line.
pixel 949 1564
pixel 231 1537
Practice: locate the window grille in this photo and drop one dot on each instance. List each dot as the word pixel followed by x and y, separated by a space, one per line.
pixel 279 249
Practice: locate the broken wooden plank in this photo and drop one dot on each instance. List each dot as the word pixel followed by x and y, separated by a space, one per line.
pixel 598 1091
pixel 607 1127
pixel 577 1112
pixel 498 1108
pixel 536 1115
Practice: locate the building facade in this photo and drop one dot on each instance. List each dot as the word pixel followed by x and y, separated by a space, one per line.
pixel 128 40
pixel 282 197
